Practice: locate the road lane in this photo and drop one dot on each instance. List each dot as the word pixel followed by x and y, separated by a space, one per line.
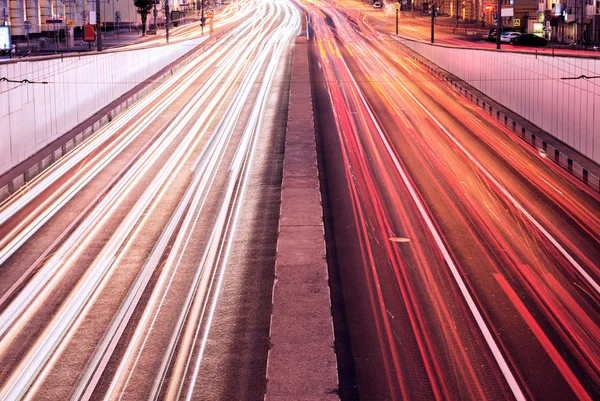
pixel 130 214
pixel 508 221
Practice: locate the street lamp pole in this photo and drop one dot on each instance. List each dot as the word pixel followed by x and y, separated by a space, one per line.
pixel 582 16
pixel 498 24
pixel 154 13
pixel 397 5
pixel 113 13
pixel 457 13
pixel 167 20
pixel 433 19
pixel 98 30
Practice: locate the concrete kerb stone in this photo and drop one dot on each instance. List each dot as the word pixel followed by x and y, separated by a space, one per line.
pixel 563 160
pixel 20 180
pixel 46 162
pixel 31 172
pixel 578 171
pixel 593 181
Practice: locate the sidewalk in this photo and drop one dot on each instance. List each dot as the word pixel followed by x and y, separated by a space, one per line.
pixel 110 39
pixel 47 45
pixel 449 23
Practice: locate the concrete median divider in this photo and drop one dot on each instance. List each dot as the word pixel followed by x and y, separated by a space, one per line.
pixel 301 363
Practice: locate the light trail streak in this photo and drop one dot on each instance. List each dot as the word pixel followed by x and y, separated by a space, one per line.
pixel 375 127
pixel 420 163
pixel 472 306
pixel 509 196
pixel 70 188
pixel 539 333
pixel 25 298
pixel 240 167
pixel 430 142
pixel 151 264
pixel 67 318
pixel 47 209
pixel 203 279
pixel 259 43
pixel 517 392
pixel 27 228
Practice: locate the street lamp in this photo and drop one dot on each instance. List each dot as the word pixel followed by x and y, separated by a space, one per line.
pixel 433 19
pixel 397 7
pixel 98 31
pixel 498 24
pixel 167 20
pixel 155 12
pixel 202 19
pixel 457 13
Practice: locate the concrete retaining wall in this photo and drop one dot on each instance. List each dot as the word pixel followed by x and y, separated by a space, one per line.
pixel 530 85
pixel 35 114
pixel 580 166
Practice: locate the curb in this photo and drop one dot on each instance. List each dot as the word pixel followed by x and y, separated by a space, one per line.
pixel 27 170
pixel 532 137
pixel 301 362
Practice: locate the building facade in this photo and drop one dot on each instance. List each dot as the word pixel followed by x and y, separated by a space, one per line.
pixel 30 16
pixel 572 21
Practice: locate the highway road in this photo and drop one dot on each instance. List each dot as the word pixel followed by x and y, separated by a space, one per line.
pixel 470 263
pixel 112 260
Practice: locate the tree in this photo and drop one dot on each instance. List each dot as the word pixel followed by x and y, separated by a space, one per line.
pixel 143 8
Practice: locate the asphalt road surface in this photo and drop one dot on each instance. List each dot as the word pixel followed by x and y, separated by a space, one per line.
pixel 112 261
pixel 470 263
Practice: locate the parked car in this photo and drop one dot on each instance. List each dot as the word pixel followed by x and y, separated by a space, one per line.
pixel 377 4
pixel 490 36
pixel 507 36
pixel 528 39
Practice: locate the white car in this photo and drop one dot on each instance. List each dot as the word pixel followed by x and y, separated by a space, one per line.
pixel 377 4
pixel 506 37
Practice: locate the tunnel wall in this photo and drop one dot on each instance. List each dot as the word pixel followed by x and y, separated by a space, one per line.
pixel 33 115
pixel 530 85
